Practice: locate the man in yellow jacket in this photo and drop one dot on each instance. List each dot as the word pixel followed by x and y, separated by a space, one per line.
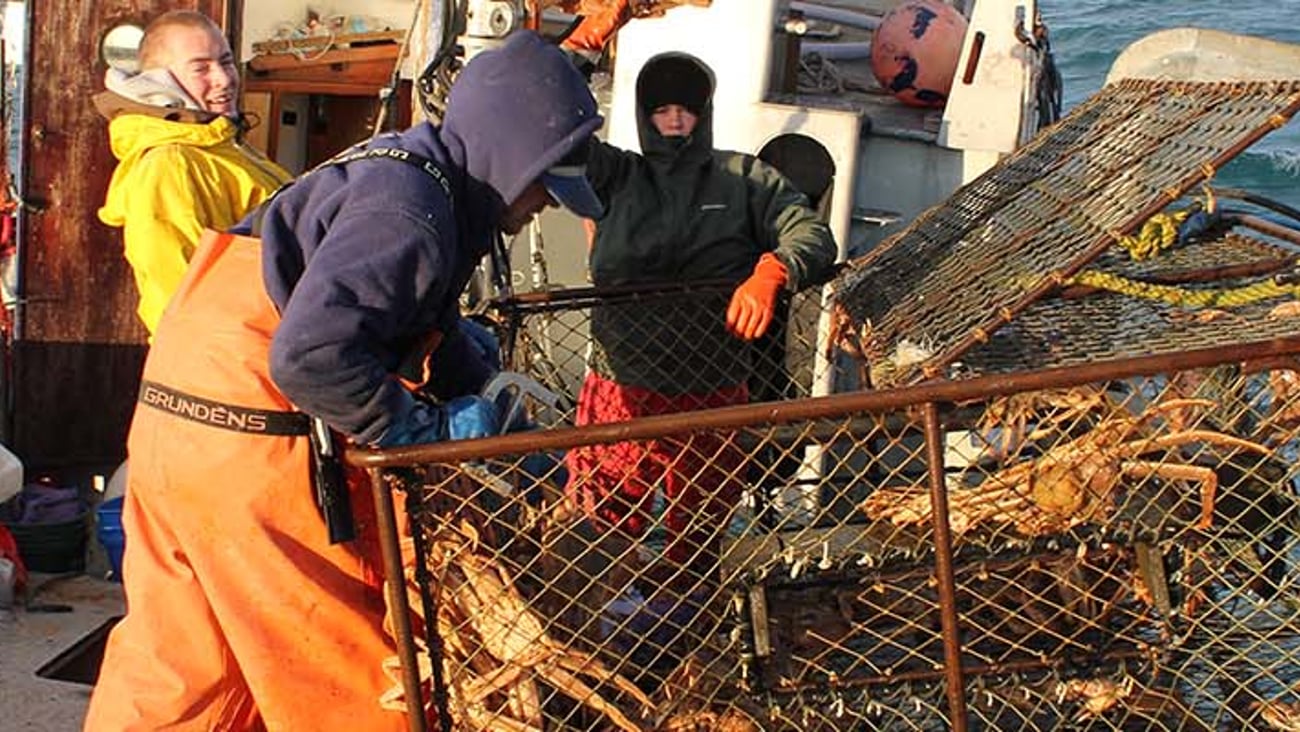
pixel 175 128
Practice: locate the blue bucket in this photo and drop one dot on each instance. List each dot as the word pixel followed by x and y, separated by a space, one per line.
pixel 111 535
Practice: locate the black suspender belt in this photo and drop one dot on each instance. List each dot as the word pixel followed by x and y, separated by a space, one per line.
pixel 224 416
pixel 352 154
pixel 328 478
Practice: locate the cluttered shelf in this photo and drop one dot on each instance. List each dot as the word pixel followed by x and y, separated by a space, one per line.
pixel 340 69
pixel 312 45
pixel 345 78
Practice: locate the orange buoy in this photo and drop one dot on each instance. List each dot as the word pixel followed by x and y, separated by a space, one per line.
pixel 915 50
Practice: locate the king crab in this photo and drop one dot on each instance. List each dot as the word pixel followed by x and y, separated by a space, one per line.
pixel 1074 482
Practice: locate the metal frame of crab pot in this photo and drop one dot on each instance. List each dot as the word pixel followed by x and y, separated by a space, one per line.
pixel 771 701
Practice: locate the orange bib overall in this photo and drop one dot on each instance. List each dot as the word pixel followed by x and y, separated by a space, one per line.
pixel 240 614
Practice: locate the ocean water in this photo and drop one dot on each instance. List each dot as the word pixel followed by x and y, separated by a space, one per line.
pixel 1087 36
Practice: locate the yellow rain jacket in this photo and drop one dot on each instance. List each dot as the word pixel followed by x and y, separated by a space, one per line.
pixel 173 180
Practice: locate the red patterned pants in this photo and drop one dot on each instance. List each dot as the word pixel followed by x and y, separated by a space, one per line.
pixel 699 473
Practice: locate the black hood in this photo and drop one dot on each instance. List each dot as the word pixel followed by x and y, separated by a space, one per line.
pixel 675 78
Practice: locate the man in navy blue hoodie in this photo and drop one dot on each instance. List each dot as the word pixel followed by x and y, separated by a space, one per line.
pixel 242 614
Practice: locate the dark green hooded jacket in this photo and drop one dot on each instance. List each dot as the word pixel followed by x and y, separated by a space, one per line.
pixel 680 212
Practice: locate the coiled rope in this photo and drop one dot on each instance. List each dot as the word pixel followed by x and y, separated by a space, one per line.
pixel 1162 232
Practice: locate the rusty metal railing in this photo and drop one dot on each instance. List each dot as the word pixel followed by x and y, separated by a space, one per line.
pixel 929 578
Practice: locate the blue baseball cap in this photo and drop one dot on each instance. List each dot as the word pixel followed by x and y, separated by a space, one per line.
pixel 568 185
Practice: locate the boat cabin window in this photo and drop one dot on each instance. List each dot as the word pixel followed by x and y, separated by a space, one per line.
pixel 120 48
pixel 806 163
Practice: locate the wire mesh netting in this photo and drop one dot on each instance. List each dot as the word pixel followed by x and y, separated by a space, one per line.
pixel 669 340
pixel 1123 555
pixel 964 268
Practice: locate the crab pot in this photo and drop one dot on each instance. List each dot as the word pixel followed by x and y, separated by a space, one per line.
pixel 1027 500
pixel 1103 595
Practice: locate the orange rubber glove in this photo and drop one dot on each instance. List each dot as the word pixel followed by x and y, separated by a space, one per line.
pixel 598 26
pixel 754 302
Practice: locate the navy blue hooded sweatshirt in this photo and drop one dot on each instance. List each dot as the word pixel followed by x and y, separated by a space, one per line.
pixel 364 260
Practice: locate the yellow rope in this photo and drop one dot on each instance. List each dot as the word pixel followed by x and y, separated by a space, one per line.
pixel 1156 235
pixel 1159 233
pixel 1182 297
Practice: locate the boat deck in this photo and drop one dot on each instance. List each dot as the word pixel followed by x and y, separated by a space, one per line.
pixel 56 635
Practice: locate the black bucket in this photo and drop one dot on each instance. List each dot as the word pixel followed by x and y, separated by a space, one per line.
pixel 53 547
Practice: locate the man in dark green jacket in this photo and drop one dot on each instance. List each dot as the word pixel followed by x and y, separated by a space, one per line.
pixel 681 211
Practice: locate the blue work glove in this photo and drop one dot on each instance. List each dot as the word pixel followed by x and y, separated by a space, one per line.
pixel 1201 224
pixel 462 418
pixel 518 416
pixel 469 417
pixel 484 342
pixel 467 359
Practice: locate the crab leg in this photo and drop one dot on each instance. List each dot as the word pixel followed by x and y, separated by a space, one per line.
pixel 1215 438
pixel 574 688
pixel 583 664
pixel 1208 479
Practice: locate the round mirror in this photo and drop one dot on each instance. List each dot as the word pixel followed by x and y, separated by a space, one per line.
pixel 121 47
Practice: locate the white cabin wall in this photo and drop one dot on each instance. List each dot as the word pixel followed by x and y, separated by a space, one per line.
pixel 292 143
pixel 734 37
pixel 902 176
pixel 1003 80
